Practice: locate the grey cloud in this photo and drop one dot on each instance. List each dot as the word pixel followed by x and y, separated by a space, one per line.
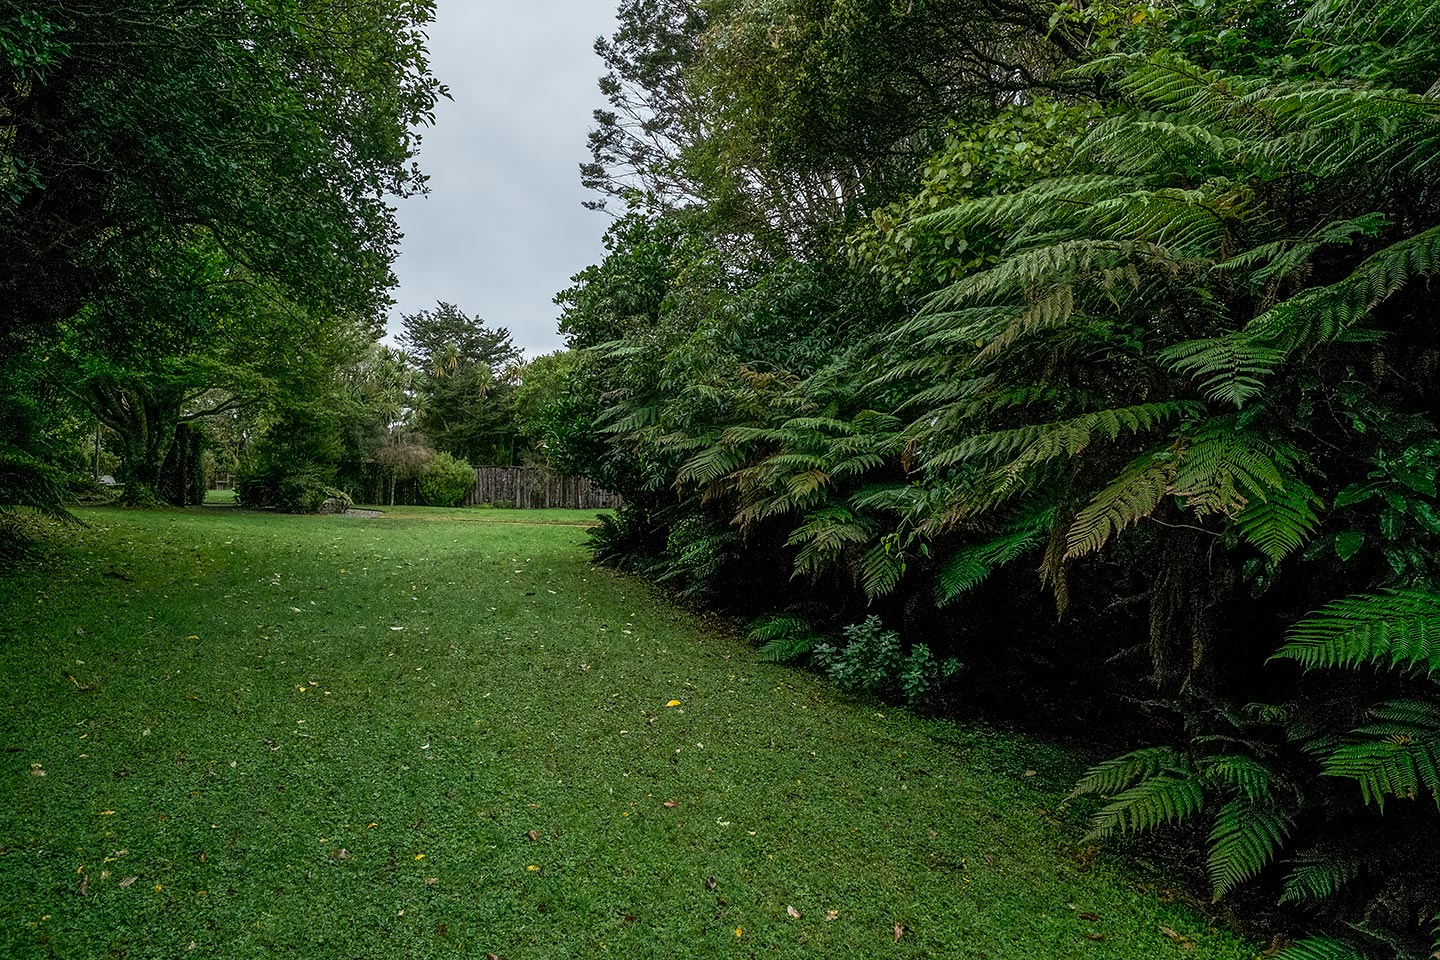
pixel 502 230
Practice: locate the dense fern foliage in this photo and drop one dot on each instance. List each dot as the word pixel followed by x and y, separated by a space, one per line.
pixel 1146 344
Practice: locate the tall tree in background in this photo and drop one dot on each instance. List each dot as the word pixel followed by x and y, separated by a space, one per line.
pixel 466 389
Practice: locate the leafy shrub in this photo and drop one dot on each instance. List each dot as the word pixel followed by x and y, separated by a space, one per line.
pixel 869 661
pixel 921 675
pixel 872 662
pixel 446 481
pixel 300 491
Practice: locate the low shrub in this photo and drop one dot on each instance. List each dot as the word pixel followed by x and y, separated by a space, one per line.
pixel 873 662
pixel 446 481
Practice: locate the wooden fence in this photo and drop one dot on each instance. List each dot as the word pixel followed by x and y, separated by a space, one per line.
pixel 534 488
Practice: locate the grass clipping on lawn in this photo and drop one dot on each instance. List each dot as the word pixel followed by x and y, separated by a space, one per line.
pixel 250 735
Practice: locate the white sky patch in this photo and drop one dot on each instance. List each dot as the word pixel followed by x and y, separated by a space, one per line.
pixel 502 230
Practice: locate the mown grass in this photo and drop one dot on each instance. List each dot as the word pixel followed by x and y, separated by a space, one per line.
pixel 251 735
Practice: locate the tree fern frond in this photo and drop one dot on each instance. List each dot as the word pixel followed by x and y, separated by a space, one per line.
pixel 1400 756
pixel 881 568
pixel 709 465
pixel 1158 800
pixel 1245 839
pixel 1322 948
pixel 968 566
pixel 782 637
pixel 1133 495
pixel 1399 629
pixel 1038 443
pixel 1250 778
pixel 1230 368
pixel 1281 523
pixel 1117 773
pixel 824 535
pixel 1317 875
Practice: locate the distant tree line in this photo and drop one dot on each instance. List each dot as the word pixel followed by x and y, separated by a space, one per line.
pixel 196 240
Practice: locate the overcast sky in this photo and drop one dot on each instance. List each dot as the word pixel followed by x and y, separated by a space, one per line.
pixel 502 230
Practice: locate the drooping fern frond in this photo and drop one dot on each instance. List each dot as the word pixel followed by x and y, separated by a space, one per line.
pixel 881 568
pixel 1167 798
pixel 1133 495
pixel 1249 778
pixel 1316 875
pixel 1322 948
pixel 1232 367
pixel 1399 755
pixel 1244 840
pixel 967 567
pixel 1399 629
pixel 1117 773
pixel 1038 443
pixel 824 535
pixel 1282 522
pixel 783 637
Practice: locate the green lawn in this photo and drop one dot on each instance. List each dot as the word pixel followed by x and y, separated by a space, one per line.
pixel 323 737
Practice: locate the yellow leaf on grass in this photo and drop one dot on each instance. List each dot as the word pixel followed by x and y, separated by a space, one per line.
pixel 532 868
pixel 419 856
pixel 673 703
pixel 739 931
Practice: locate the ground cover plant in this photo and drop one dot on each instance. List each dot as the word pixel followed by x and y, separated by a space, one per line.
pixel 250 734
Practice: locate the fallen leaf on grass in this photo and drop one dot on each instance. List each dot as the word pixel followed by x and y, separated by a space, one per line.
pixel 831 915
pixel 1180 938
pixel 673 703
pixel 671 803
pixel 1092 935
pixel 899 931
pixel 794 914
pixel 710 883
pixel 128 880
pixel 1088 916
pixel 1029 773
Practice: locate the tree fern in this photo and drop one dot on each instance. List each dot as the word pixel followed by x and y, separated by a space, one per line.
pixel 968 566
pixel 1113 775
pixel 782 637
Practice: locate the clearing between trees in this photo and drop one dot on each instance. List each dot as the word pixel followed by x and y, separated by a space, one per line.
pixel 256 735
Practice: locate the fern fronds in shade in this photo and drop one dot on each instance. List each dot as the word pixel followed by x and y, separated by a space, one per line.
pixel 1317 875
pixel 968 566
pixel 1151 803
pixel 783 637
pixel 1398 755
pixel 1399 629
pixel 1322 948
pixel 1244 840
pixel 1117 773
